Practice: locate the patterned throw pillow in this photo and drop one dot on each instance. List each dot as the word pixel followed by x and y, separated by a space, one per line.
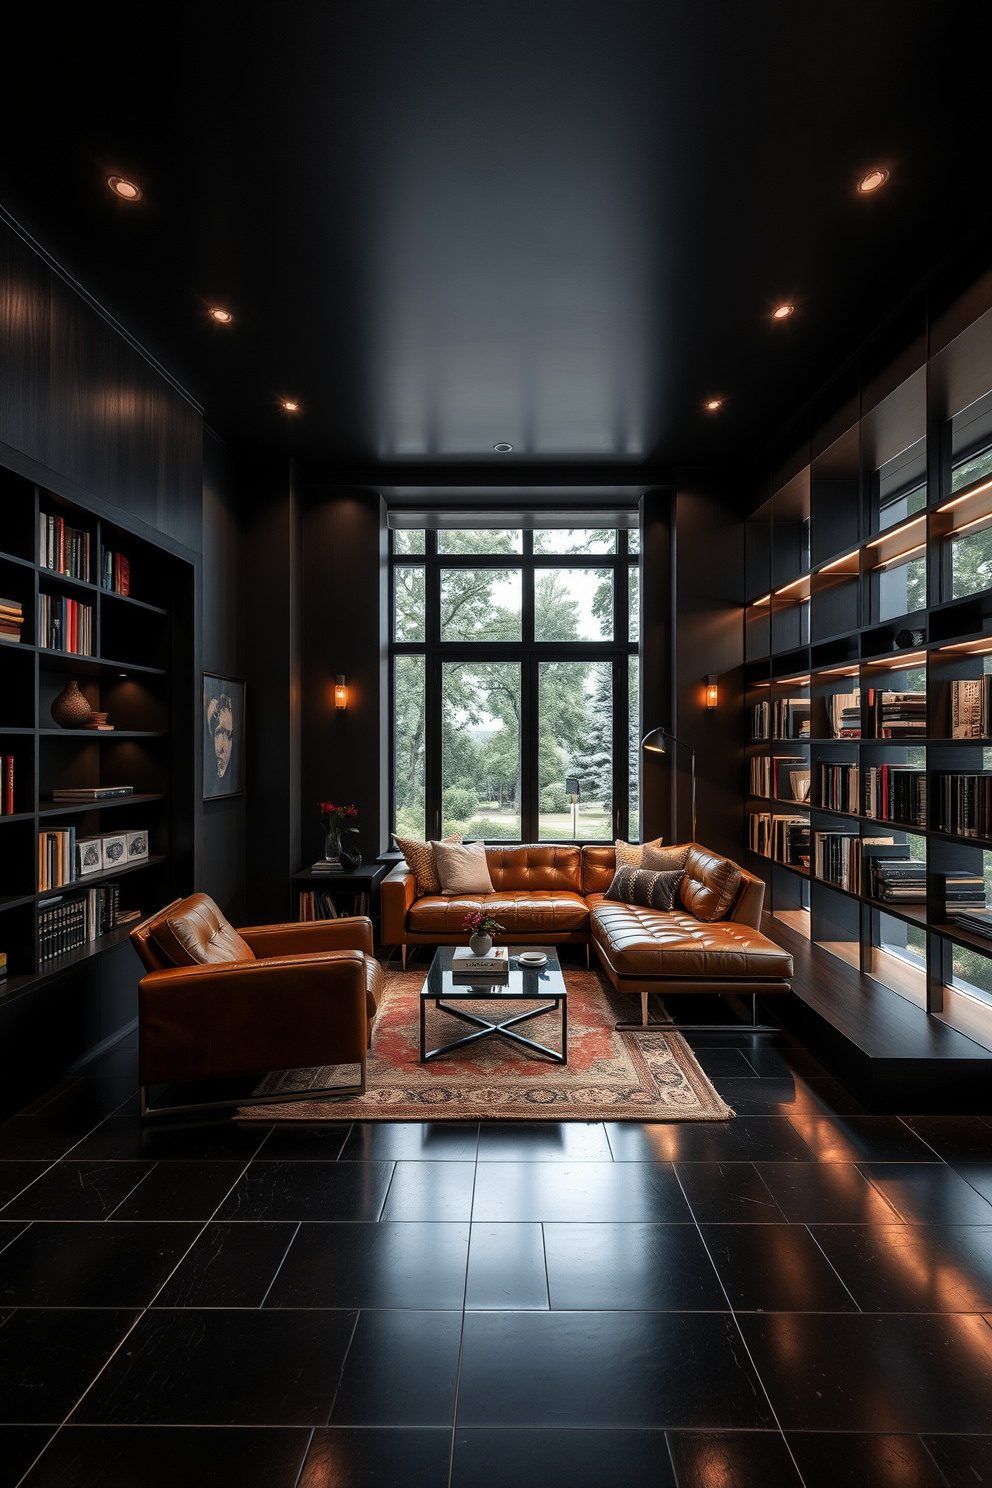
pixel 665 858
pixel 420 858
pixel 644 886
pixel 629 854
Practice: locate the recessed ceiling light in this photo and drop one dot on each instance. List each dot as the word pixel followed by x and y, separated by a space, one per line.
pixel 126 190
pixel 872 180
pixel 223 317
pixel 712 404
pixel 502 449
pixel 290 405
pixel 782 312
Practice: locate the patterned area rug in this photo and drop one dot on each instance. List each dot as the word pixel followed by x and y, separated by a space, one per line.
pixel 610 1076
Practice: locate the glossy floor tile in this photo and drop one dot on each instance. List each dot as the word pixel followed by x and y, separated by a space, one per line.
pixel 849 1460
pixel 831 1193
pixel 430 1190
pixel 639 1267
pixel 378 1457
pixel 506 1268
pixel 737 1459
pixel 230 1265
pixel 91 1265
pixel 418 1265
pixel 74 1190
pixel 927 1193
pixel 50 1356
pixel 727 1193
pixel 401 1370
pixel 905 1268
pixel 578 1193
pixel 743 1139
pixel 19 1446
pixel 775 1268
pixel 412 1141
pixel 540 1457
pixel 180 1190
pixel 162 1456
pixel 307 1190
pixel 543 1141
pixel 534 1369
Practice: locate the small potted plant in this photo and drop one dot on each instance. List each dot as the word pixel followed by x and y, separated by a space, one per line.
pixel 332 819
pixel 481 927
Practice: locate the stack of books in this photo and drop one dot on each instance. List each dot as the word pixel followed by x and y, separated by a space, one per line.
pixel 780 718
pixel 964 805
pixel 69 921
pixel 897 715
pixel 115 572
pixel 11 619
pixel 844 715
pixel 56 858
pixel 896 879
pixel 839 788
pixel 896 793
pixel 64 549
pixel 785 777
pixel 836 859
pixel 970 713
pixel 468 969
pixel 317 904
pixel 323 866
pixel 978 921
pixel 66 625
pixel 964 893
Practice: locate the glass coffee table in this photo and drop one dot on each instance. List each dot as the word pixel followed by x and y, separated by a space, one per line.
pixel 544 984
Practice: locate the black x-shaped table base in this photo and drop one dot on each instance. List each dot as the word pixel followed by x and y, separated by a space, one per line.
pixel 484 1027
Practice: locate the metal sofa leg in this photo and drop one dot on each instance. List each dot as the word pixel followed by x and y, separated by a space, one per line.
pixel 403 955
pixel 588 956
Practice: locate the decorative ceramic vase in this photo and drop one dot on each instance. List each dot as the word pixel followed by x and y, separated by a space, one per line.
pixel 70 709
pixel 481 945
pixel 332 847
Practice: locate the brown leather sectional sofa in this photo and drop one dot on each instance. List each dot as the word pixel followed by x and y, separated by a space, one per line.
pixel 557 896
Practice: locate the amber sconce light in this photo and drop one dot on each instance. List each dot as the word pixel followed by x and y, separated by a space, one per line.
pixel 712 692
pixel 340 693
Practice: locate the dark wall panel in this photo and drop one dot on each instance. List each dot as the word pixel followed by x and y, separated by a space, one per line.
pixel 658 785
pixel 222 872
pixel 79 400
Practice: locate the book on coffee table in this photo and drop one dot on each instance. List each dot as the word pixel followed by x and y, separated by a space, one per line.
pixel 495 963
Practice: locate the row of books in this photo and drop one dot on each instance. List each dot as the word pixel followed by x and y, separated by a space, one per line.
pixel 971 716
pixel 844 715
pixel 318 904
pixel 784 838
pixel 964 804
pixel 840 788
pixel 782 776
pixel 7 785
pixel 62 548
pixel 780 718
pixel 896 793
pixel 11 619
pixel 115 572
pixel 63 858
pixel 896 879
pixel 843 858
pixel 70 921
pixel 66 625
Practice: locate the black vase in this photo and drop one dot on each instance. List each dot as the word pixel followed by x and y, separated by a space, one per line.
pixel 351 858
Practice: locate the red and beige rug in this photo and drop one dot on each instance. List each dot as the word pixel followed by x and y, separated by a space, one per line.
pixel 610 1076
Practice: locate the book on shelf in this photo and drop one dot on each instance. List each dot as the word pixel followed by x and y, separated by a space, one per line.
pixel 964 804
pixel 840 787
pixel 91 792
pixel 66 625
pixel 970 708
pixel 963 892
pixel 897 715
pixel 895 793
pixel 318 904
pixel 780 718
pixel 843 858
pixel 844 715
pixel 977 921
pixel 115 572
pixel 64 549
pixel 783 838
pixel 56 858
pixel 771 775
pixel 891 876
pixel 11 619
pixel 323 866
pixel 69 921
pixel 3 969
pixel 7 785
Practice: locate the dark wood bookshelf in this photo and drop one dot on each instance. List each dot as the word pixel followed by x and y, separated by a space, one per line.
pixel 139 673
pixel 830 586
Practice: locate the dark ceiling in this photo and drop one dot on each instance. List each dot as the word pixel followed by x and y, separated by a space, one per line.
pixel 441 224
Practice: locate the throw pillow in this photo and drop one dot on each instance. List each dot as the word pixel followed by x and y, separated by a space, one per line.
pixel 710 885
pixel 665 858
pixel 652 890
pixel 462 867
pixel 420 858
pixel 629 854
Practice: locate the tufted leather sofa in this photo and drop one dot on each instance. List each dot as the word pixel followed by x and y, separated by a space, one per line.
pixel 215 1001
pixel 557 896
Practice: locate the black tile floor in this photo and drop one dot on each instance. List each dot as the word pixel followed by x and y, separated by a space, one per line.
pixel 801 1296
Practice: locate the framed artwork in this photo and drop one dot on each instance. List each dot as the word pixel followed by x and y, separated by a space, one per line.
pixel 115 852
pixel 137 846
pixel 89 856
pixel 223 736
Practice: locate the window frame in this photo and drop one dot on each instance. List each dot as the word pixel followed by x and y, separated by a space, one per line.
pixel 529 652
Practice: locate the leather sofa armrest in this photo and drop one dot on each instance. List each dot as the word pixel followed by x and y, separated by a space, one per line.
pixel 747 906
pixel 398 891
pixel 195 1022
pixel 350 933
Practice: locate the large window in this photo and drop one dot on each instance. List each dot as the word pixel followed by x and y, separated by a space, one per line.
pixel 515 682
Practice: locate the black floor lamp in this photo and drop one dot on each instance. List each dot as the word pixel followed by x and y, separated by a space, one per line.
pixel 654 742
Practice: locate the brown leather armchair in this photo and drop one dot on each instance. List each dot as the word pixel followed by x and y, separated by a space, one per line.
pixel 216 1001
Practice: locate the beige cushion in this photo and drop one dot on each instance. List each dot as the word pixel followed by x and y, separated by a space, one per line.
pixel 462 867
pixel 420 858
pixel 629 854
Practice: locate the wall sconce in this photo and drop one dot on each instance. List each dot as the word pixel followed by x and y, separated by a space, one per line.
pixel 340 693
pixel 712 695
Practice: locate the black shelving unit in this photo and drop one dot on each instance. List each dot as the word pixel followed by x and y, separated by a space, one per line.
pixel 140 674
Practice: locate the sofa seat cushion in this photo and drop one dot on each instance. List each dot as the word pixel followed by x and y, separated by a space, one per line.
pixel 649 942
pixel 518 911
